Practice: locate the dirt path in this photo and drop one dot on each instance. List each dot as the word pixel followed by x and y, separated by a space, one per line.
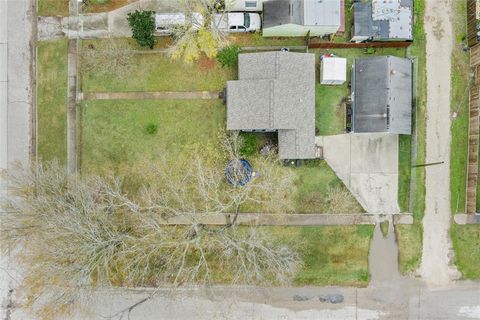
pixel 435 268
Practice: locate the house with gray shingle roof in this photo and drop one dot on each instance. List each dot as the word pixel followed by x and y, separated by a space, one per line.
pixel 382 95
pixel 382 20
pixel 275 92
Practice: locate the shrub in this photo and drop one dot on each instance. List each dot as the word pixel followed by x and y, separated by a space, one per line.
pixel 249 146
pixel 228 56
pixel 142 24
pixel 152 128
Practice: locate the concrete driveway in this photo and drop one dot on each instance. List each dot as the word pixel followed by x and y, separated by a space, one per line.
pixel 99 25
pixel 368 165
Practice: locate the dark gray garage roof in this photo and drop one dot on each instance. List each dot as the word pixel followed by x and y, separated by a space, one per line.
pixel 278 12
pixel 382 95
pixel 384 20
pixel 276 91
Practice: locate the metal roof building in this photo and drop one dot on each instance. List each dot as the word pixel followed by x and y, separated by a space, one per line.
pixel 298 17
pixel 276 92
pixel 382 95
pixel 383 20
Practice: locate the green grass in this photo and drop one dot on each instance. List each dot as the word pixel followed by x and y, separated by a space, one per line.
pixel 316 181
pixel 256 40
pixel 114 134
pixel 329 109
pixel 52 100
pixel 466 243
pixel 156 72
pixel 404 172
pixel 332 255
pixel 478 185
pixel 53 8
pixel 459 105
pixel 114 138
pixel 409 237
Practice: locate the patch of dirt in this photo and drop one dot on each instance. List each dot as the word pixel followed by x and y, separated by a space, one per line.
pixel 206 64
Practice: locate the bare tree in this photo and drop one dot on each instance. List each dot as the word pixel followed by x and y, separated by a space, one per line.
pixel 200 35
pixel 80 233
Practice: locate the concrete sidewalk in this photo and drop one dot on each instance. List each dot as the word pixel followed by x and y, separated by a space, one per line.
pixel 293 219
pixel 195 95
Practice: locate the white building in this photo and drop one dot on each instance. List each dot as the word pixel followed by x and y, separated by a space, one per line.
pixel 333 70
pixel 245 5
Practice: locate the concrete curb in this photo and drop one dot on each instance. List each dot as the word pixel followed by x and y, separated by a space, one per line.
pixel 463 218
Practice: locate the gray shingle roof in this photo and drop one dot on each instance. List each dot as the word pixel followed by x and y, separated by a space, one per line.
pixel 276 91
pixel 384 20
pixel 382 95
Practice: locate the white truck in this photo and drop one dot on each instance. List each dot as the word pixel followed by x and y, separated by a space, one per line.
pixel 238 22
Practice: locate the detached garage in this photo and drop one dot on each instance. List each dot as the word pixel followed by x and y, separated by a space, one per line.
pixel 333 70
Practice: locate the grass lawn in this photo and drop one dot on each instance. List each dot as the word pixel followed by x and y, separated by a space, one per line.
pixel 52 100
pixel 409 237
pixel 466 243
pixel 156 72
pixel 104 5
pixel 256 40
pixel 459 105
pixel 404 172
pixel 332 255
pixel 330 112
pixel 321 191
pixel 114 139
pixel 114 134
pixel 53 8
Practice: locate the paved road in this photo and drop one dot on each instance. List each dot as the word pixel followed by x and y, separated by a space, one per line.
pixel 15 102
pixel 407 300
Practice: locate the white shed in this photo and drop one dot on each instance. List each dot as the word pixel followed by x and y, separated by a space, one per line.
pixel 334 70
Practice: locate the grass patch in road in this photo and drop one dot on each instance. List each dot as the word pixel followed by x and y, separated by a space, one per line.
pixel 409 237
pixel 459 105
pixel 48 8
pixel 332 255
pixel 466 243
pixel 157 72
pixel 52 100
pixel 384 228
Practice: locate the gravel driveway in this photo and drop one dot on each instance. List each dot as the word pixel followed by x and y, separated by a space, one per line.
pixel 436 266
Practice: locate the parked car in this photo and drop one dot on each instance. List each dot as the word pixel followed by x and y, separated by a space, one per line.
pixel 166 22
pixel 238 22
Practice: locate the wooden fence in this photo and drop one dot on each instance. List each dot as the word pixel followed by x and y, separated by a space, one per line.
pixel 473 132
